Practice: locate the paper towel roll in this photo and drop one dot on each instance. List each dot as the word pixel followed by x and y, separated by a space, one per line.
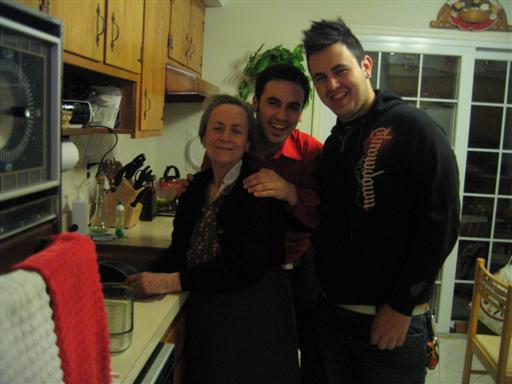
pixel 69 155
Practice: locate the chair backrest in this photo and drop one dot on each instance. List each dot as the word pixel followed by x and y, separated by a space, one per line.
pixel 498 295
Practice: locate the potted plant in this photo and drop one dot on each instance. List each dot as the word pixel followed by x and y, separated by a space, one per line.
pixel 260 60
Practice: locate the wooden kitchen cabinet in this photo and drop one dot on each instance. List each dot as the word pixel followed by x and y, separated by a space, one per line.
pixel 104 31
pixel 175 334
pixel 84 26
pixel 154 60
pixel 186 34
pixel 123 45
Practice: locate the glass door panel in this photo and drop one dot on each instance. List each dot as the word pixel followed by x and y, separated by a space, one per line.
pixel 399 73
pixel 481 172
pixel 503 223
pixel 506 175
pixel 439 77
pixel 443 114
pixel 485 127
pixel 507 140
pixel 489 81
pixel 476 217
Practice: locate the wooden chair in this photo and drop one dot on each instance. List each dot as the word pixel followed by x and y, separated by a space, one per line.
pixel 492 351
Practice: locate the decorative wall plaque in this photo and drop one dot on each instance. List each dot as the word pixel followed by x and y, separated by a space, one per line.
pixel 472 15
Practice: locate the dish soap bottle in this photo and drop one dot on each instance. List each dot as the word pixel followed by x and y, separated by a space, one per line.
pixel 119 219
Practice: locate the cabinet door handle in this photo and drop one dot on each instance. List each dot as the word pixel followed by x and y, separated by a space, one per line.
pixel 170 42
pixel 187 50
pixel 98 31
pixel 147 101
pixel 114 39
pixel 192 50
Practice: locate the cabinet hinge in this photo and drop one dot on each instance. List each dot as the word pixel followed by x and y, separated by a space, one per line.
pixel 169 41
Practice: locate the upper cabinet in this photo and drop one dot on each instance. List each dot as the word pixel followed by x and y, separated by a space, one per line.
pixel 123 45
pixel 187 33
pixel 108 31
pixel 84 26
pixel 153 67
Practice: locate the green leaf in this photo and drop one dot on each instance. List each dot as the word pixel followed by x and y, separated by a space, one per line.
pixel 244 90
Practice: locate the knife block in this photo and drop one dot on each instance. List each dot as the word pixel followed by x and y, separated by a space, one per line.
pixel 125 194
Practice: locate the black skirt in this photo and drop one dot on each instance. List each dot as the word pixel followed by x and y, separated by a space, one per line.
pixel 247 336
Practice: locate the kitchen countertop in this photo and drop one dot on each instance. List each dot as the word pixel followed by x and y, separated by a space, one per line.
pixel 142 244
pixel 151 320
pixel 151 234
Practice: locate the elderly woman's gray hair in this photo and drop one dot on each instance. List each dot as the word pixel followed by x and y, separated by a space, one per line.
pixel 218 100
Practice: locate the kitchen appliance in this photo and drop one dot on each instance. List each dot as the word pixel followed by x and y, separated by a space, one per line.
pixel 30 109
pixel 81 112
pixel 184 86
pixel 166 202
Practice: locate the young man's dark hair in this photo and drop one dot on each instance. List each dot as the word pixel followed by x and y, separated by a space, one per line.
pixel 324 33
pixel 286 72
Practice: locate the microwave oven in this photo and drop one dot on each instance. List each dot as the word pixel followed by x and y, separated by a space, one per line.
pixel 30 107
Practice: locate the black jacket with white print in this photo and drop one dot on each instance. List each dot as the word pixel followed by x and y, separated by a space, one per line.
pixel 389 191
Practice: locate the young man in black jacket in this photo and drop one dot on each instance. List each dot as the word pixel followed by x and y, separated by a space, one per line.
pixel 388 185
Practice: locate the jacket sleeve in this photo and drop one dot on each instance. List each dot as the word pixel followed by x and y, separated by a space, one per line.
pixel 251 237
pixel 432 170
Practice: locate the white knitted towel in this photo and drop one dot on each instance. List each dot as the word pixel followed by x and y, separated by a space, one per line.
pixel 28 343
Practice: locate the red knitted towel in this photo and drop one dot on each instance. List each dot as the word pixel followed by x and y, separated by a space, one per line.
pixel 69 267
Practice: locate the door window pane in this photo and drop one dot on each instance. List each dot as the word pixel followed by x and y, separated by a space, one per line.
pixel 476 216
pixel 501 253
pixel 485 127
pixel 400 73
pixel 443 114
pixel 489 81
pixel 503 225
pixel 506 175
pixel 507 142
pixel 468 252
pixel 509 98
pixel 481 172
pixel 439 77
pixel 462 295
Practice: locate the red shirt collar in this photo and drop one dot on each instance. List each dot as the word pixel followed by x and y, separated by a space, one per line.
pixel 290 147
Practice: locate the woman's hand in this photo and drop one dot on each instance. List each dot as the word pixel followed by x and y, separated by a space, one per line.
pixel 148 283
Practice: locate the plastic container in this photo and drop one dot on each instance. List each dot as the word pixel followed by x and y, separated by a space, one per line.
pixel 119 308
pixel 80 214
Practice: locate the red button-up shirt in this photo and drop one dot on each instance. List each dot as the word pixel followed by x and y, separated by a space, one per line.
pixel 295 162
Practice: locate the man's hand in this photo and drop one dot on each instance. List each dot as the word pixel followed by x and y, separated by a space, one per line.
pixel 267 183
pixel 147 283
pixel 389 328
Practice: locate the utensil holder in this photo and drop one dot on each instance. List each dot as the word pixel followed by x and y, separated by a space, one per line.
pixel 125 194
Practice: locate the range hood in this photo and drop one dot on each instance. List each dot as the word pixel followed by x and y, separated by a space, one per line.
pixel 182 86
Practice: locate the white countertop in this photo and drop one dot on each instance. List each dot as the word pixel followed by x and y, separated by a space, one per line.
pixel 151 234
pixel 151 320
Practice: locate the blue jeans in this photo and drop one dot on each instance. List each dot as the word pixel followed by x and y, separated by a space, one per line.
pixel 350 358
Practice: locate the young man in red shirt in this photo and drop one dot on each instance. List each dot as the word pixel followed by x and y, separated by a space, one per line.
pixel 289 157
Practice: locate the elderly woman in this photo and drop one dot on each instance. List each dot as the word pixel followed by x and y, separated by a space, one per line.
pixel 226 250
